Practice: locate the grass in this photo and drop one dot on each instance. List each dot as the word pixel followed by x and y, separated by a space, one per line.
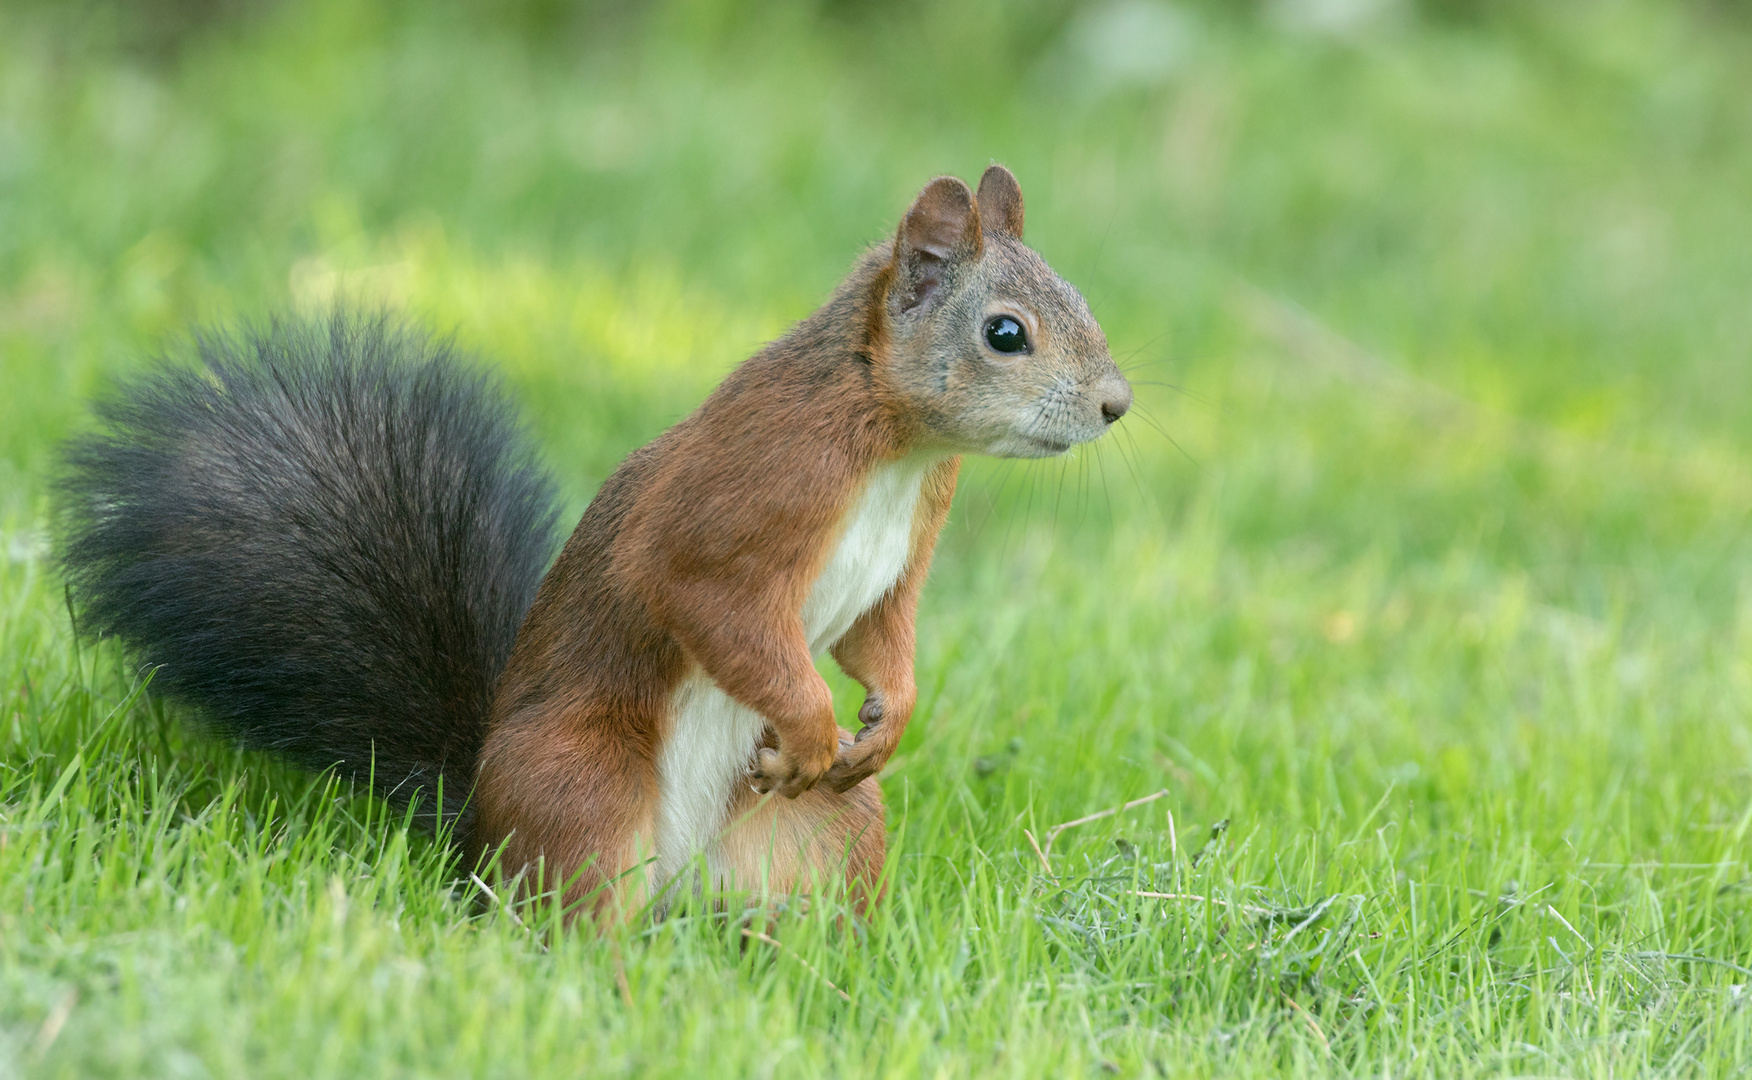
pixel 1423 588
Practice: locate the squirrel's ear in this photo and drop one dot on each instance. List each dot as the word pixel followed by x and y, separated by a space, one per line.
pixel 942 228
pixel 1000 201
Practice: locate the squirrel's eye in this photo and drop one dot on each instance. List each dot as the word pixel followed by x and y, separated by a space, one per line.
pixel 1006 335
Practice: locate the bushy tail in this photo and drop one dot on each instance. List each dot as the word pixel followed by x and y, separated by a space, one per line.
pixel 324 537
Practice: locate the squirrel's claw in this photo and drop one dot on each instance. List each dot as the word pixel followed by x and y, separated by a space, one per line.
pixel 864 758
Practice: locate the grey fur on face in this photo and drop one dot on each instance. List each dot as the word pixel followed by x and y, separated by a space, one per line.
pixel 1061 390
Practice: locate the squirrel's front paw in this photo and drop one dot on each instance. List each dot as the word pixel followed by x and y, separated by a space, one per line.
pixel 864 756
pixel 789 775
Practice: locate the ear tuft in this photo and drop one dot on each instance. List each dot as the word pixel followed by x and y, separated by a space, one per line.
pixel 943 219
pixel 941 228
pixel 1000 201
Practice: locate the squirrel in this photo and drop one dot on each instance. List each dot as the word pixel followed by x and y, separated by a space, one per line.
pixel 330 540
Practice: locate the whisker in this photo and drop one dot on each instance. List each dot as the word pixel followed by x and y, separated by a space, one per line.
pixel 1010 519
pixel 1175 358
pixel 996 497
pixel 1178 388
pixel 1082 493
pixel 1059 495
pixel 1190 395
pixel 1149 499
pixel 1148 419
pixel 975 526
pixel 1112 215
pixel 1082 488
pixel 1142 412
pixel 1133 352
pixel 1106 494
pixel 1119 447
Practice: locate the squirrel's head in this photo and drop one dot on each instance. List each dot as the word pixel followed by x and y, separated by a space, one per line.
pixel 992 351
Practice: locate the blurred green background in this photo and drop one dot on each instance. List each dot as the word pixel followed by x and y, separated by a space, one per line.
pixel 1424 562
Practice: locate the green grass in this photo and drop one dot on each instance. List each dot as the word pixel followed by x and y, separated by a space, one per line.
pixel 1440 596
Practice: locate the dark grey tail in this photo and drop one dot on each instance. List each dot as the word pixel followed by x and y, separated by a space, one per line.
pixel 324 538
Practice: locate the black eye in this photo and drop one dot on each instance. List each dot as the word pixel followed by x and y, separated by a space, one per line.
pixel 1006 335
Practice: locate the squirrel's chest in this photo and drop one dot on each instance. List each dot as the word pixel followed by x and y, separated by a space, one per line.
pixel 874 543
pixel 711 736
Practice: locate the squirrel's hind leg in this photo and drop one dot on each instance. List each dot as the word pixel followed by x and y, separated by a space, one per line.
pixel 565 806
pixel 820 842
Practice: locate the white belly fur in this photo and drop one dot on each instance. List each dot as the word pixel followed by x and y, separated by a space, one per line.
pixel 711 737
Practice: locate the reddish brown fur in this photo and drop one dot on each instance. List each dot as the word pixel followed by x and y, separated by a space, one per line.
pixel 700 551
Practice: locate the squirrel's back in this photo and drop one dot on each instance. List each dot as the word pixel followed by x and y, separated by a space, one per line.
pixel 323 538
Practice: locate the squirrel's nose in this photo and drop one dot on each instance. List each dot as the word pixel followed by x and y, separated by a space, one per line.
pixel 1116 401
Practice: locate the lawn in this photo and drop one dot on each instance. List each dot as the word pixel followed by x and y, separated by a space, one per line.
pixel 1420 582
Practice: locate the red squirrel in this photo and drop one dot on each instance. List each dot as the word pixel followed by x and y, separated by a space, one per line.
pixel 328 541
